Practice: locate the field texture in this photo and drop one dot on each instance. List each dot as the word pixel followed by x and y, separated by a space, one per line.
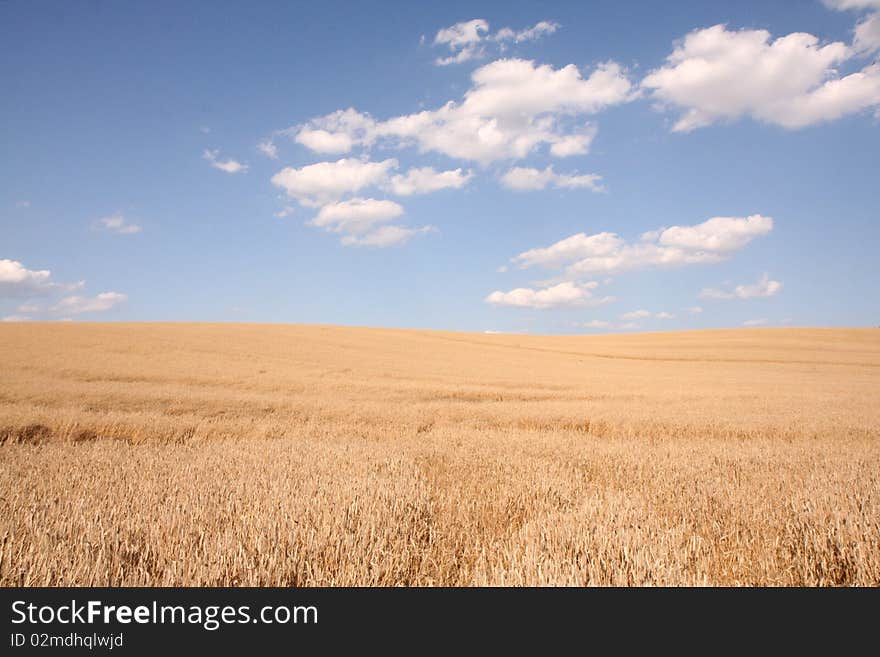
pixel 219 454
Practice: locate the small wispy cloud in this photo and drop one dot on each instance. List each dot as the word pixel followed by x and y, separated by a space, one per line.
pixel 646 314
pixel 529 179
pixel 229 166
pixel 75 305
pixel 268 148
pixel 286 211
pixel 763 288
pixel 118 224
pixel 469 40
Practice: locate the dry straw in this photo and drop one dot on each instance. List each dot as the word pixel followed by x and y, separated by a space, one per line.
pixel 160 454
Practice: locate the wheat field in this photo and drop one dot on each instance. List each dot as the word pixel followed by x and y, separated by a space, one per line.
pixel 242 454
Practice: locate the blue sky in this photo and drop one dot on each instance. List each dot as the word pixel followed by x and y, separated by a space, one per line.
pixel 550 168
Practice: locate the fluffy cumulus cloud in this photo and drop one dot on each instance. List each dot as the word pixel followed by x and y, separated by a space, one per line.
pixel 513 107
pixel 463 40
pixel 469 40
pixel 229 165
pixel 529 179
pixel 365 222
pixel 756 322
pixel 326 182
pixel 556 296
pixel 357 215
pixel 118 224
pixel 425 180
pixel 712 241
pixel 335 133
pixel 719 234
pixel 17 281
pixel 76 305
pixel 329 186
pixel 716 74
pixel 763 288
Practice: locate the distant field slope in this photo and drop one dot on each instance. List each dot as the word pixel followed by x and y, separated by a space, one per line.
pixel 175 454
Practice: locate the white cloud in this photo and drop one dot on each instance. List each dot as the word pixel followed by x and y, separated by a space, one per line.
pixel 842 5
pixel 426 180
pixel 722 234
pixel 16 281
pixel 75 305
pixel 867 34
pixel 597 324
pixel 362 221
pixel 468 40
pixel 336 132
pixel 716 74
pixel 365 222
pixel 709 242
pixel 563 294
pixel 229 166
pixel 694 310
pixel 117 224
pixel 268 148
pixel 205 130
pixel 16 318
pixel 463 40
pixel 538 30
pixel 513 107
pixel 646 314
pixel 571 248
pixel 629 326
pixel 636 314
pixel 755 322
pixel 383 236
pixel 28 308
pixel 322 141
pixel 763 288
pixel 529 179
pixel 326 182
pixel 286 211
pixel 462 34
pixel 23 204
pixel 357 215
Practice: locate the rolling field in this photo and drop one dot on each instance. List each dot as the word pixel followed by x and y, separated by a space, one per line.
pixel 224 454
